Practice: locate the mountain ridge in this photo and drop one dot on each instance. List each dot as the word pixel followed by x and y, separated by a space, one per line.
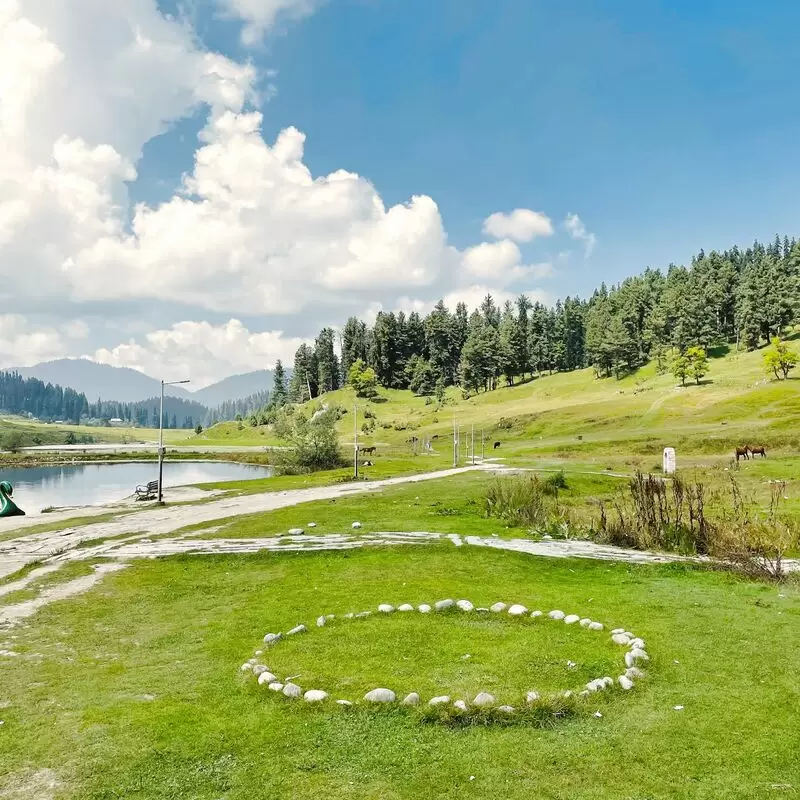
pixel 127 385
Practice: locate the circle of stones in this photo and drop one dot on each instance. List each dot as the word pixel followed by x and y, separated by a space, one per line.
pixel 635 657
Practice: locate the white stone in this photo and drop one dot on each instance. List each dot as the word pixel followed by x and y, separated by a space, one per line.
pixel 259 652
pixel 634 673
pixel 297 629
pixel 596 626
pixel 315 696
pixel 584 693
pixel 385 608
pixel 363 614
pixel 620 638
pixel 329 617
pixel 532 697
pixel 248 667
pixel 625 682
pixel 443 605
pixel 356 525
pixel 344 703
pixel 566 695
pixel 292 690
pixel 424 609
pixel 405 607
pixel 585 622
pixel 465 605
pixel 484 700
pixel 439 701
pixel 506 709
pixel 460 705
pixel 557 615
pixel 482 610
pixel 271 638
pixel 536 614
pixel 636 654
pixel 266 677
pixel 637 642
pixel 296 531
pixel 517 610
pixel 609 682
pixel 351 615
pixel 275 687
pixel 498 607
pixel 321 622
pixel 258 669
pixel 380 696
pixel 411 699
pixel 571 619
pixel 617 630
pixel 595 686
pixel 311 525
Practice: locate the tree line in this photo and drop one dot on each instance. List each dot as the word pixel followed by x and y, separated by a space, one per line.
pixel 51 402
pixel 742 297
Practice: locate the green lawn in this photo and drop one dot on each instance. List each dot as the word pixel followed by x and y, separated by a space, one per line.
pixel 151 704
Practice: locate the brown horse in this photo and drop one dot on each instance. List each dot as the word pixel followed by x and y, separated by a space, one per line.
pixel 759 448
pixel 742 452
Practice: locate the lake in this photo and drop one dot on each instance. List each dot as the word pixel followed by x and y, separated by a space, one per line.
pixel 36 488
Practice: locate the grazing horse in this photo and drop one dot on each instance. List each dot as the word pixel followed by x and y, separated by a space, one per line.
pixel 496 445
pixel 760 449
pixel 742 452
pixel 365 450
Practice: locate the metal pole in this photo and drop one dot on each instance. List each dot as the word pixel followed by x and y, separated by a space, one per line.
pixel 473 444
pixel 482 456
pixel 161 443
pixel 355 440
pixel 455 443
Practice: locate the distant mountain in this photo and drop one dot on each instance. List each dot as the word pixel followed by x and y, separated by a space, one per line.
pixel 125 385
pixel 95 380
pixel 236 387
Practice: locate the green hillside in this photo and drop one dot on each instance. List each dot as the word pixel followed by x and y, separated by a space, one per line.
pixel 577 415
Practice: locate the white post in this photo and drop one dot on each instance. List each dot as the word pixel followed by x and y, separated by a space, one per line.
pixel 473 444
pixel 455 443
pixel 161 443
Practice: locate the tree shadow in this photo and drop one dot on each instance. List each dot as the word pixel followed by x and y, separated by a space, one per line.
pixel 719 350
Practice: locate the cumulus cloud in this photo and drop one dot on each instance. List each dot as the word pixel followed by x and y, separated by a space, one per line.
pixel 501 264
pixel 521 225
pixel 202 351
pixel 261 15
pixel 250 230
pixel 577 230
pixel 23 343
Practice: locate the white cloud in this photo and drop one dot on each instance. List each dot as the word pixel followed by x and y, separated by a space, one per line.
pixel 501 263
pixel 577 230
pixel 84 86
pixel 23 343
pixel 261 15
pixel 202 351
pixel 521 225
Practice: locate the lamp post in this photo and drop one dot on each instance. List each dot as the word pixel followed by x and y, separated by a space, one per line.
pixel 161 435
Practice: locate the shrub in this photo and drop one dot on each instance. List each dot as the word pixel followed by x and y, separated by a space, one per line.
pixel 13 441
pixel 198 429
pixel 556 481
pixel 520 500
pixel 314 443
pixel 369 413
pixel 504 424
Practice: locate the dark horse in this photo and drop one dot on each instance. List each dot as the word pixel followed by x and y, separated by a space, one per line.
pixel 759 449
pixel 496 445
pixel 742 452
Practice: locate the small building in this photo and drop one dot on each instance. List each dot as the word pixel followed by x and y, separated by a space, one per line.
pixel 116 422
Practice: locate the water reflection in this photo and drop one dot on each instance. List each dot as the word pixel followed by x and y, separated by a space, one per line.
pixel 36 488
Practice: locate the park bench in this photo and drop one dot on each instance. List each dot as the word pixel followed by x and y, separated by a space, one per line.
pixel 148 491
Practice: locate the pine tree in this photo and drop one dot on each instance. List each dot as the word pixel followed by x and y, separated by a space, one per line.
pixel 279 392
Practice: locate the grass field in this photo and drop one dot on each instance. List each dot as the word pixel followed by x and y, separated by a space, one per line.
pixel 152 705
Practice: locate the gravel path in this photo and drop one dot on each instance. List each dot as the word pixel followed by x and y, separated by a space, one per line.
pixel 130 537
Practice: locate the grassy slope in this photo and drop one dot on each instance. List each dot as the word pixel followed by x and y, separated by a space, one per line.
pixel 151 704
pixel 48 433
pixel 639 414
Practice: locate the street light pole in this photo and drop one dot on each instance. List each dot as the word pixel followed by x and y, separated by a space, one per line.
pixel 355 440
pixel 161 437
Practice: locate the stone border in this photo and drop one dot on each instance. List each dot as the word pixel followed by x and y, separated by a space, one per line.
pixel 635 656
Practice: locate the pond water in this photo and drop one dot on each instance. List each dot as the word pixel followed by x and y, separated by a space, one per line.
pixel 36 488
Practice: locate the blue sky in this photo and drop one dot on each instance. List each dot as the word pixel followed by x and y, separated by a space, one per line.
pixel 666 126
